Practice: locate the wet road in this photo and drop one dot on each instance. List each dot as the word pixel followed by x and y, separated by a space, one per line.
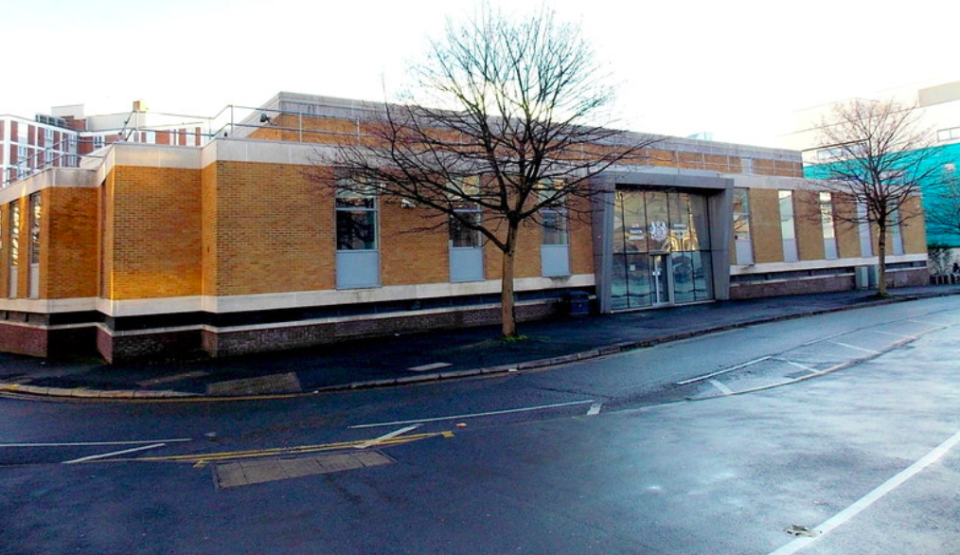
pixel 717 444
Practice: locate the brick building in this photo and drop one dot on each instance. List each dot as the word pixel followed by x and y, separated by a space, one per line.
pixel 228 247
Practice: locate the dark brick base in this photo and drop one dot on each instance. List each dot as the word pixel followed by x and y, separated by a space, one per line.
pixel 124 348
pixel 227 343
pixel 751 290
pixel 23 340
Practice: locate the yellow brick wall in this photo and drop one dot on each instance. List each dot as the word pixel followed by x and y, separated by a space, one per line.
pixel 106 226
pixel 848 234
pixel 69 243
pixel 581 237
pixel 409 258
pixel 274 230
pixel 156 233
pixel 913 228
pixel 809 228
pixel 765 225
pixel 208 231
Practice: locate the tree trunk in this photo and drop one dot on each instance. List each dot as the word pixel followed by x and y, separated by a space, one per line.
pixel 508 311
pixel 882 255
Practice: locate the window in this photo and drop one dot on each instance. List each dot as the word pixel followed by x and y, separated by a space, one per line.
pixel 741 226
pixel 466 252
pixel 788 230
pixel 36 210
pixel 866 242
pixel 48 138
pixel 35 214
pixel 948 135
pixel 829 231
pixel 98 142
pixel 356 219
pixel 895 232
pixel 358 257
pixel 461 235
pixel 14 241
pixel 555 242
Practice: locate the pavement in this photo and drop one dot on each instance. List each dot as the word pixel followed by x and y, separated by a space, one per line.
pixel 416 358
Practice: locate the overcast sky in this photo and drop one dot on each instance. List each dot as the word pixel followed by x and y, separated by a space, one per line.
pixel 736 69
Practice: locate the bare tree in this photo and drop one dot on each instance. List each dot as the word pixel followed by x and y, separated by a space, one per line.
pixel 877 153
pixel 506 121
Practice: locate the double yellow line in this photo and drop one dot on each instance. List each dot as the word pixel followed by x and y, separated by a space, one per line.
pixel 200 459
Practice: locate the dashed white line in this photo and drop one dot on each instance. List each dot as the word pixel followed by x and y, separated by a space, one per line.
pixel 385 437
pixel 869 499
pixel 856 348
pixel 594 409
pixel 724 371
pixel 113 454
pixel 726 390
pixel 473 415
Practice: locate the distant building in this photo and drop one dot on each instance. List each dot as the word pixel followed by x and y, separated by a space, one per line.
pixel 224 245
pixel 938 108
pixel 59 139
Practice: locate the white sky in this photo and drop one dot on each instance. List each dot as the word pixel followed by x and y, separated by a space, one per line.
pixel 735 68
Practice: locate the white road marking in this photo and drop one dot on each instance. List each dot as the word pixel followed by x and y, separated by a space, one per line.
pixel 856 348
pixel 869 499
pixel 95 443
pixel 113 454
pixel 828 338
pixel 425 367
pixel 801 366
pixel 896 334
pixel 474 415
pixel 385 437
pixel 726 390
pixel 724 371
pixel 594 409
pixel 937 324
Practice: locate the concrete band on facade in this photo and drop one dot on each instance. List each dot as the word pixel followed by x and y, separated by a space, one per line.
pixel 228 248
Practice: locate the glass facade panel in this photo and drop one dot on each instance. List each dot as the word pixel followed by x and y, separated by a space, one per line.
pixel 700 223
pixel 658 220
pixel 683 284
pixel 634 220
pixel 702 275
pixel 639 281
pixel 675 225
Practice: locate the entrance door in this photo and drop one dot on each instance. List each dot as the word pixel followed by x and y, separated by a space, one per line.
pixel 660 274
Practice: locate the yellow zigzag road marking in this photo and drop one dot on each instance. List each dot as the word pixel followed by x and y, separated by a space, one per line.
pixel 203 458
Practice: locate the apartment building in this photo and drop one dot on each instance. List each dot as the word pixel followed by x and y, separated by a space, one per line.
pixel 58 140
pixel 229 247
pixel 937 109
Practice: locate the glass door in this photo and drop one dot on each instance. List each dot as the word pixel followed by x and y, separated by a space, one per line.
pixel 660 274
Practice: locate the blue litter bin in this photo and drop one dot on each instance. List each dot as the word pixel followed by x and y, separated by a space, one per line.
pixel 579 303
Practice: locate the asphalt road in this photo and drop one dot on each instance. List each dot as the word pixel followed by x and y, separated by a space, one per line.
pixel 827 426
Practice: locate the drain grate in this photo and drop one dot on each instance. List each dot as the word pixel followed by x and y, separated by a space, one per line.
pixel 244 473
